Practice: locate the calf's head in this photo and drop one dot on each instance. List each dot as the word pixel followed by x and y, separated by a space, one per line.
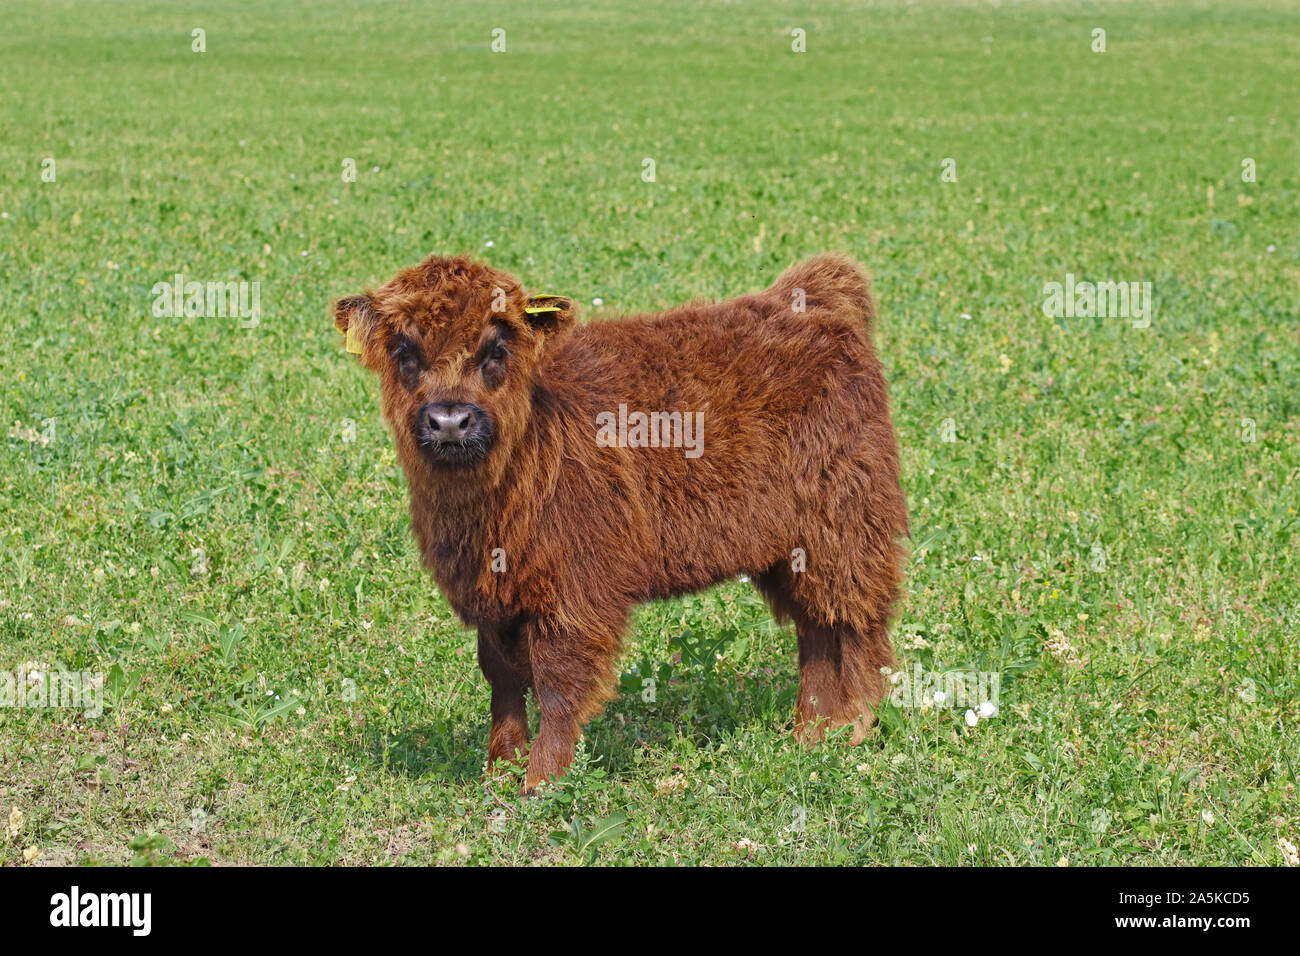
pixel 457 346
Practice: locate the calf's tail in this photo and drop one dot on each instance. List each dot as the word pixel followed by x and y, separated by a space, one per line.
pixel 831 282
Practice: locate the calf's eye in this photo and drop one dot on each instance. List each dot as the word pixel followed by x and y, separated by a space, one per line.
pixel 493 366
pixel 408 364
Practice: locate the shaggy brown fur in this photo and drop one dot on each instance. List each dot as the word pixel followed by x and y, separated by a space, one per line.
pixel 544 539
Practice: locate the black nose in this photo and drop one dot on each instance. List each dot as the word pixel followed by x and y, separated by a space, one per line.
pixel 448 423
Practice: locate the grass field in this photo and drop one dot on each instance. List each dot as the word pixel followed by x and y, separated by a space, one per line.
pixel 212 515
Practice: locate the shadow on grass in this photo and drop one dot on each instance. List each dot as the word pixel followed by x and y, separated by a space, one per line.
pixel 705 707
pixel 438 749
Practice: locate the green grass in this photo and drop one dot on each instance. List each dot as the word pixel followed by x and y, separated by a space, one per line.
pixel 199 528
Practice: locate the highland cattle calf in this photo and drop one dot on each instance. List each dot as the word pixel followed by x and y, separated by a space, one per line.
pixel 562 473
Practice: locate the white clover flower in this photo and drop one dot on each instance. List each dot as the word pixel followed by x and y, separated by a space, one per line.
pixel 988 709
pixel 1059 646
pixel 972 718
pixel 1290 855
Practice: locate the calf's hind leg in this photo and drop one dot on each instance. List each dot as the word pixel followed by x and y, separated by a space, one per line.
pixel 840 682
pixel 843 644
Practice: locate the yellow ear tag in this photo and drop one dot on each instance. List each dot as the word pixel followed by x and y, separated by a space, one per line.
pixel 545 308
pixel 353 340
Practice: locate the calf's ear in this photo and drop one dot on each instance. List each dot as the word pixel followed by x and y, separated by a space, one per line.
pixel 354 316
pixel 549 315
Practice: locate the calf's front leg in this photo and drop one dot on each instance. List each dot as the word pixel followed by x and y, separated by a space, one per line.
pixel 574 671
pixel 503 658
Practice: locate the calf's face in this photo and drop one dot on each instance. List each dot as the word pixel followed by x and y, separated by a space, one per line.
pixel 457 346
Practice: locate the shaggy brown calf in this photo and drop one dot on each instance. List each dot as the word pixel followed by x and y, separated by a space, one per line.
pixel 561 474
